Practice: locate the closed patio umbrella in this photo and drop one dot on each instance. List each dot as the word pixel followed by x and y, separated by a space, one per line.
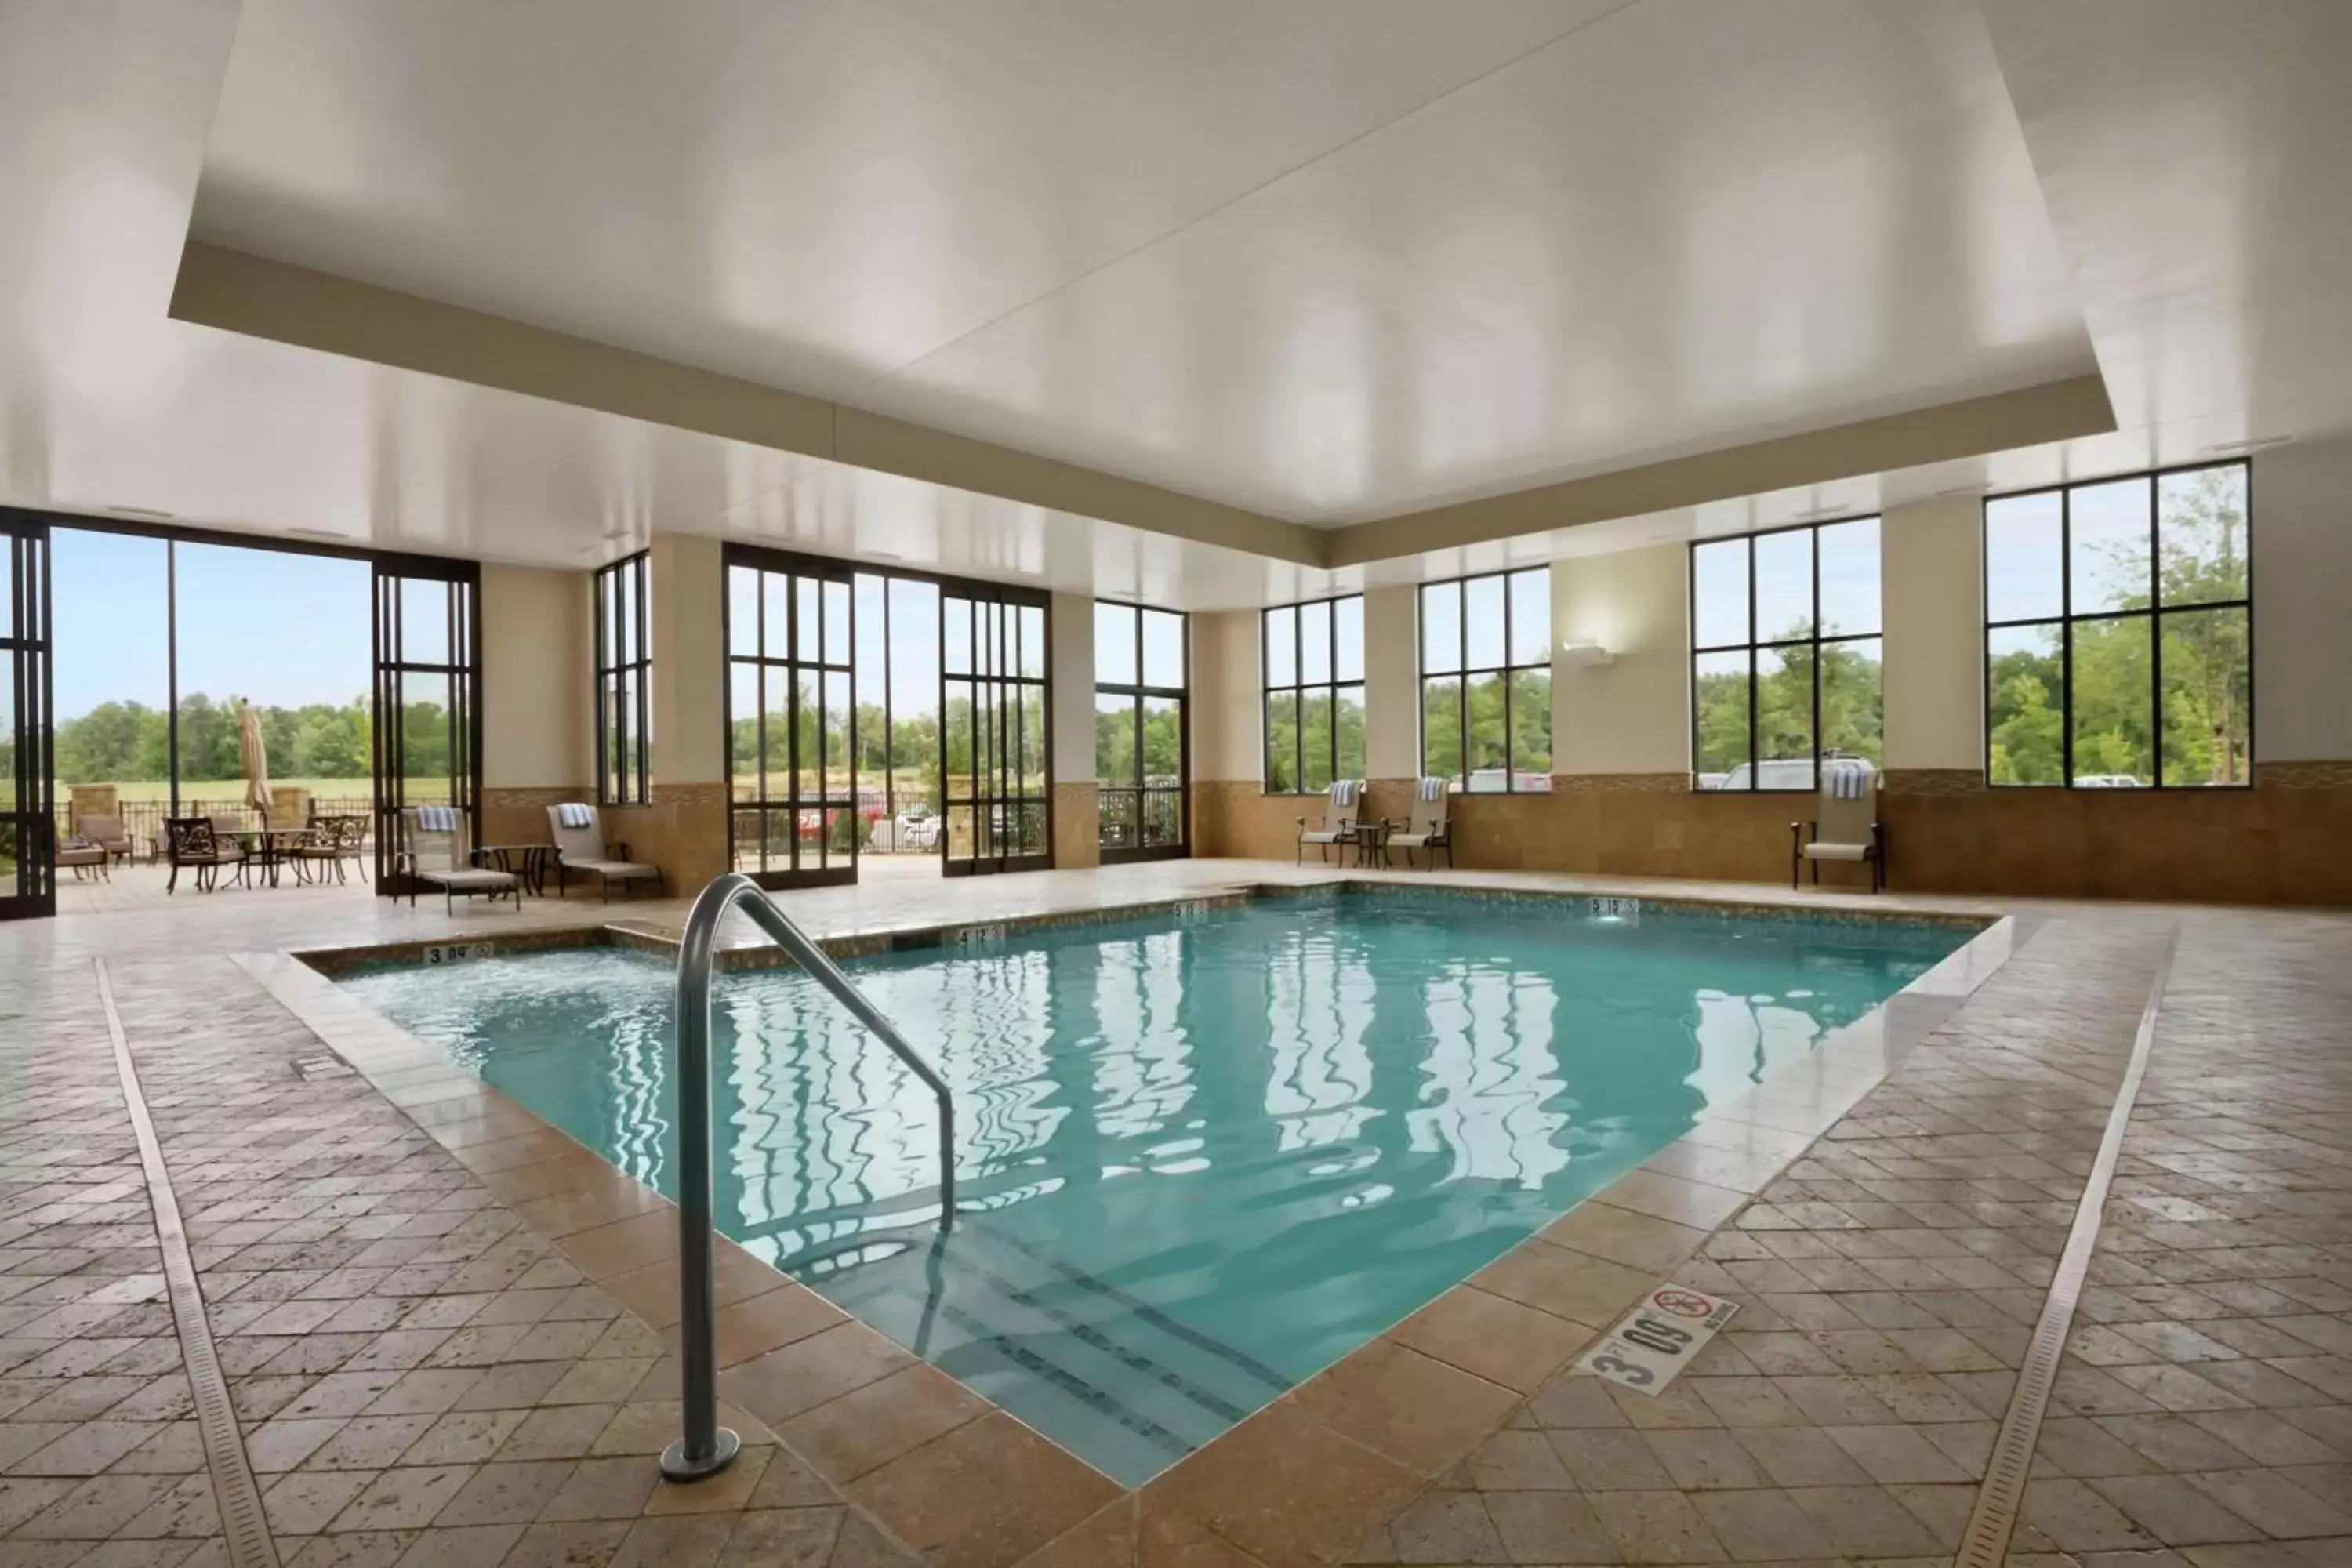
pixel 256 757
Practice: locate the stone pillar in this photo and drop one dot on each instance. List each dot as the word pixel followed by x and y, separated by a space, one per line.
pixel 1077 822
pixel 1232 814
pixel 684 830
pixel 539 698
pixel 1931 606
pixel 1391 699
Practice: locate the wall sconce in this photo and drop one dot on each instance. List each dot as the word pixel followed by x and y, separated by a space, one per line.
pixel 1585 656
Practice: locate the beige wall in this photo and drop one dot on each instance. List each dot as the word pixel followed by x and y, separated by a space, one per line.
pixel 2302 503
pixel 1631 715
pixel 1621 733
pixel 1931 606
pixel 536 680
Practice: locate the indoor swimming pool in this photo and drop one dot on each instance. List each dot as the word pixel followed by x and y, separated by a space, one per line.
pixel 1200 1155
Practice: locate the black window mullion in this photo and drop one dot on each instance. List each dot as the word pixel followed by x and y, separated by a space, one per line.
pixel 1755 761
pixel 1813 554
pixel 2155 647
pixel 2066 638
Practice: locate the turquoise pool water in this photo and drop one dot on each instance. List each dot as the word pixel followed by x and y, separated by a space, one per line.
pixel 1200 1158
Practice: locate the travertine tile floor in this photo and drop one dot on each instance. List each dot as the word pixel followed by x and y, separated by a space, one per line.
pixel 421 1376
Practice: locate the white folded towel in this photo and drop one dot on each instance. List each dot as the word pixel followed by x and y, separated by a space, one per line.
pixel 436 818
pixel 572 814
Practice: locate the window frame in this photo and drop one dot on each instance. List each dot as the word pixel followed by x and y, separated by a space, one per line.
pixel 1755 646
pixel 2066 618
pixel 1462 674
pixel 1136 691
pixel 628 779
pixel 1298 686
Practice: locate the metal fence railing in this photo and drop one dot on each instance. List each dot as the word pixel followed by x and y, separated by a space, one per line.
pixel 1150 819
pixel 143 820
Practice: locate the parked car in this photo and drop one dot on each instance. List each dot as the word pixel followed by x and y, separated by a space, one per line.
pixel 2107 781
pixel 1774 772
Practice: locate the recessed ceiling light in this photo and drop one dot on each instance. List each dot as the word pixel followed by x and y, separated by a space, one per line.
pixel 2252 444
pixel 316 533
pixel 142 512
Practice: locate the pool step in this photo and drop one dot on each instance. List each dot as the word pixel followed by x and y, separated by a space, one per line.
pixel 1061 1349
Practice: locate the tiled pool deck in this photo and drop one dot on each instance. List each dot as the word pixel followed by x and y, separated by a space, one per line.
pixel 445 1326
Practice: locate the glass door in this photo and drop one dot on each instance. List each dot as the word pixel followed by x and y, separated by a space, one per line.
pixel 1141 778
pixel 993 707
pixel 427 725
pixel 795 819
pixel 28 828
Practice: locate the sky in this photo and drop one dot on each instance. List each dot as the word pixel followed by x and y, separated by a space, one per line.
pixel 278 628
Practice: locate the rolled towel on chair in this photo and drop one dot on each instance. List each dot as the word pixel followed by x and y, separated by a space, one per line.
pixel 1431 789
pixel 1846 779
pixel 1343 793
pixel 438 818
pixel 573 813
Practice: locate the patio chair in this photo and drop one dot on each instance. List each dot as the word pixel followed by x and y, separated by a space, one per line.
pixel 109 833
pixel 433 851
pixel 332 841
pixel 192 842
pixel 1426 829
pixel 578 834
pixel 1844 825
pixel 1342 807
pixel 83 855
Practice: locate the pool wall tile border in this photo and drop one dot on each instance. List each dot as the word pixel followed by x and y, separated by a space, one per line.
pixel 1303 1481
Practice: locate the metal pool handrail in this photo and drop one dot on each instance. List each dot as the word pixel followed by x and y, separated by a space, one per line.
pixel 707 1448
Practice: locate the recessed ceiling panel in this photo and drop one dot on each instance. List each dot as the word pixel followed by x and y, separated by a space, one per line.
pixel 1684 226
pixel 2193 157
pixel 804 193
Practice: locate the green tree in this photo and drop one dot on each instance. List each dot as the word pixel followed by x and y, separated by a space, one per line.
pixel 2197 727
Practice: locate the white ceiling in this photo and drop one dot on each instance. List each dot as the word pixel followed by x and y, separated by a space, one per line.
pixel 1329 260
pixel 1326 260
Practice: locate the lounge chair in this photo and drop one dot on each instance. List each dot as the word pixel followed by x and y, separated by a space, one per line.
pixel 1844 825
pixel 578 834
pixel 109 833
pixel 1342 808
pixel 83 855
pixel 1426 828
pixel 194 842
pixel 434 852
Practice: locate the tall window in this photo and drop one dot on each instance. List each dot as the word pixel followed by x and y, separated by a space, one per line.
pixel 2119 633
pixel 625 664
pixel 1486 681
pixel 1139 770
pixel 1785 656
pixel 1314 666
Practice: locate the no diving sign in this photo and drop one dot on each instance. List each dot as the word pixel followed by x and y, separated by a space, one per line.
pixel 1658 1337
